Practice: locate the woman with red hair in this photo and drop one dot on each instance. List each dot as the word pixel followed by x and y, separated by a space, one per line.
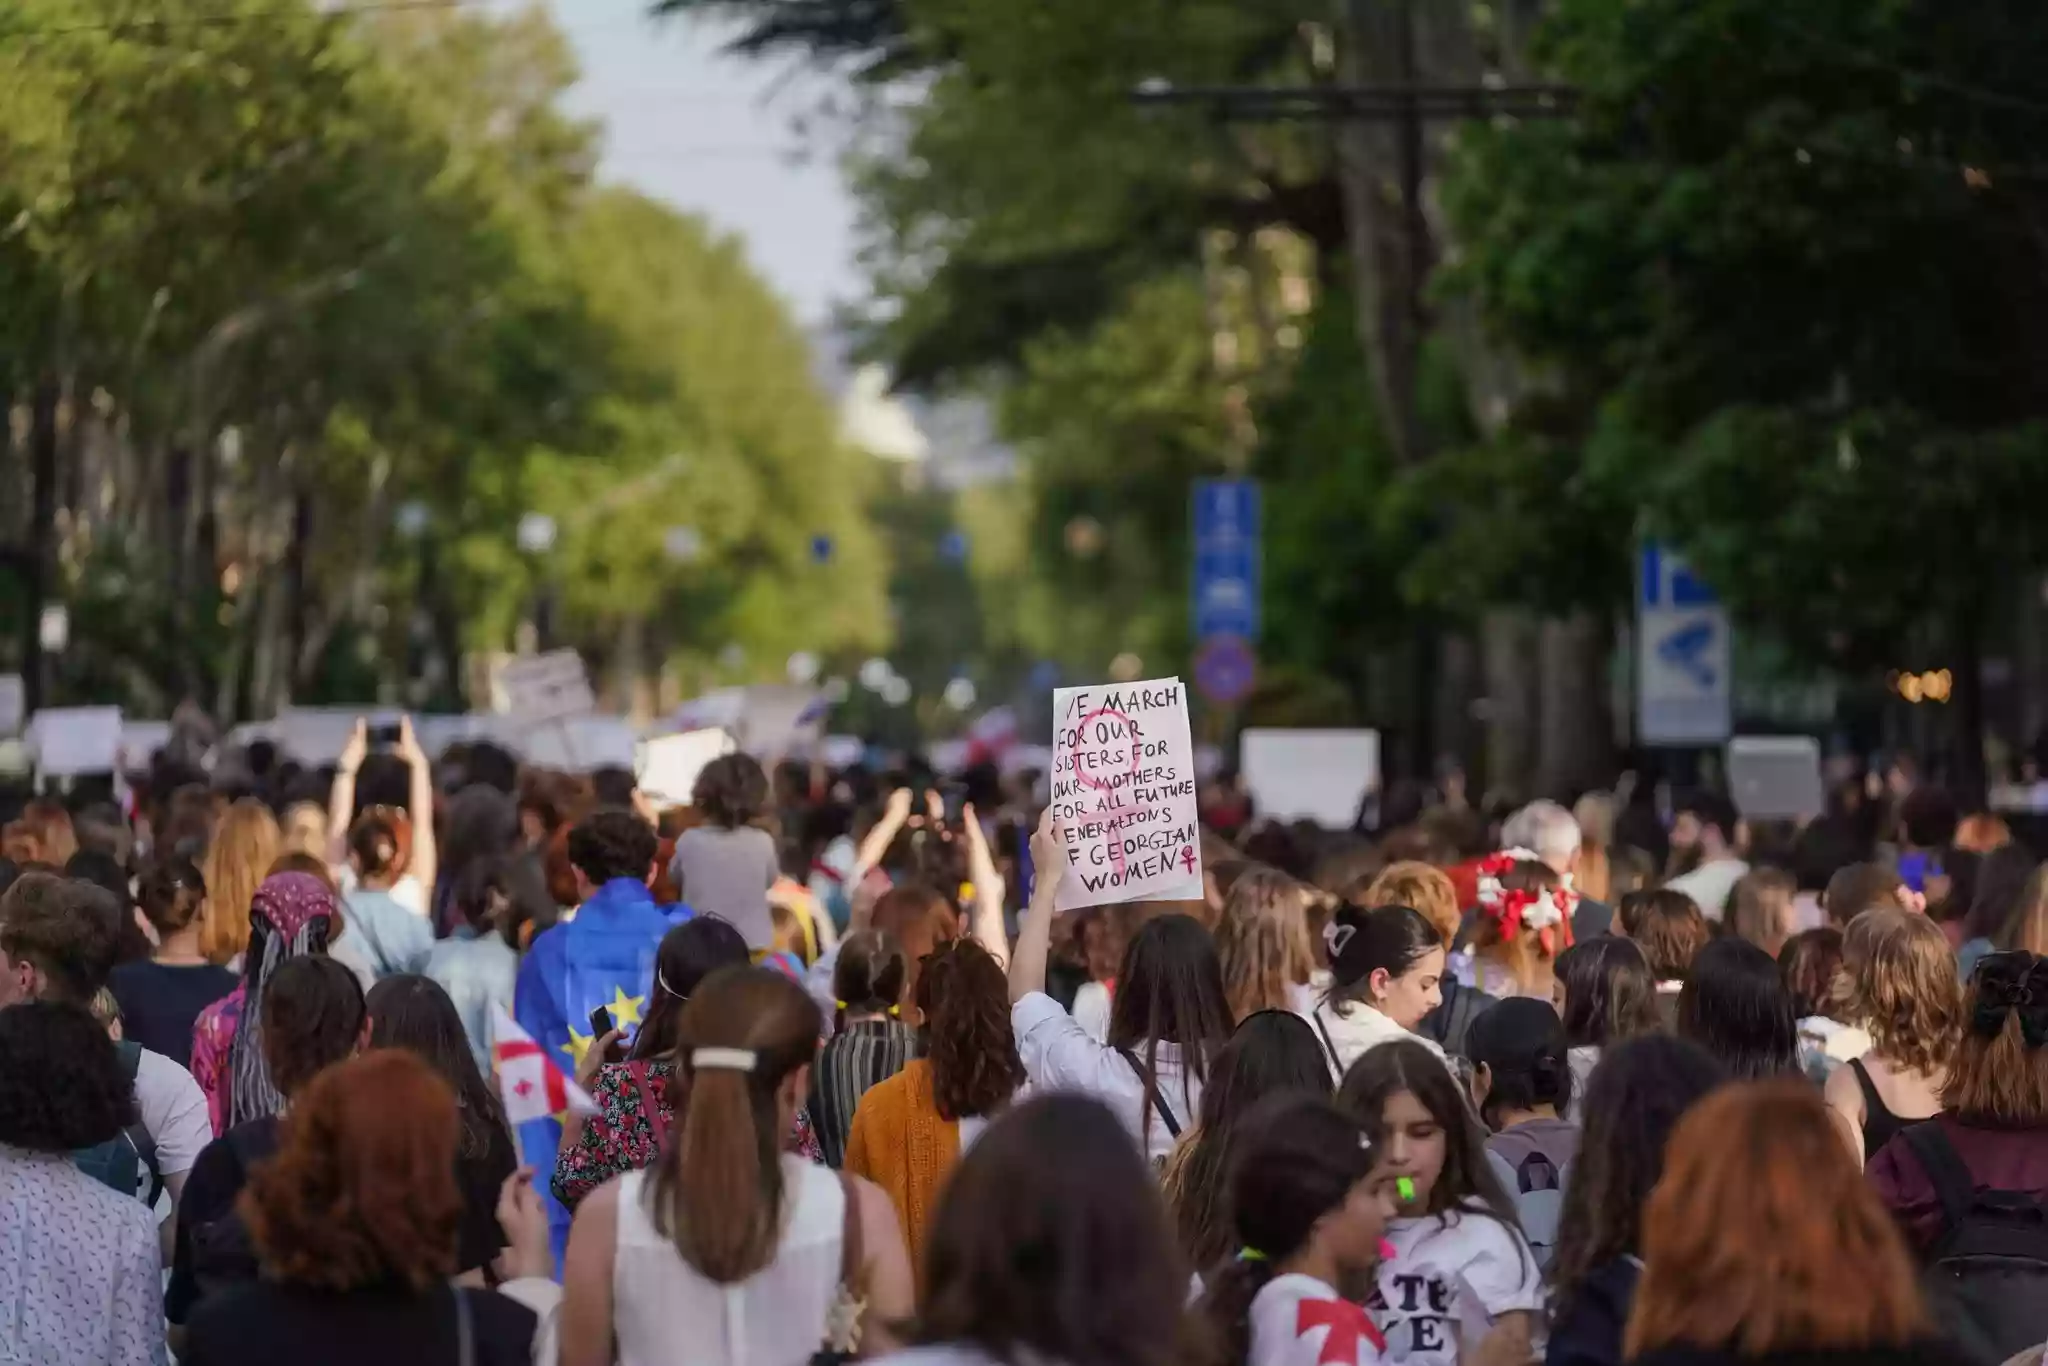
pixel 355 1223
pixel 1762 1243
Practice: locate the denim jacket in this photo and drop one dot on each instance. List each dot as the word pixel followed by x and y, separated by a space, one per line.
pixel 478 973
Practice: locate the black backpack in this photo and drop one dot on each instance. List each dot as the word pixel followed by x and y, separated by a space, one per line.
pixel 127 1162
pixel 223 1256
pixel 1986 1276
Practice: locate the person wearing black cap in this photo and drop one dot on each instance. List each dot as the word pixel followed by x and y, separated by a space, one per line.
pixel 1522 1084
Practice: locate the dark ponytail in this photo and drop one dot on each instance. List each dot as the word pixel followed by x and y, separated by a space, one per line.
pixel 869 977
pixel 1361 943
pixel 717 1193
pixel 1298 1158
pixel 1521 1043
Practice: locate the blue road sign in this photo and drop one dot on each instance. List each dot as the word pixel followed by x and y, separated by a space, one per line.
pixel 1684 692
pixel 1225 544
pixel 821 548
pixel 1226 669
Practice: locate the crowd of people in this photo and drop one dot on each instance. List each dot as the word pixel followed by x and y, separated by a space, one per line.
pixel 1474 1088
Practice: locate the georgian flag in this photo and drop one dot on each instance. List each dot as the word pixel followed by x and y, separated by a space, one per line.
pixel 530 1084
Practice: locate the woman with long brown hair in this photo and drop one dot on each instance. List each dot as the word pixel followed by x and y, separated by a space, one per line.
pixel 1670 929
pixel 1899 982
pixel 726 1250
pixel 1762 1243
pixel 355 1223
pixel 245 844
pixel 911 1128
pixel 1262 944
pixel 1989 1146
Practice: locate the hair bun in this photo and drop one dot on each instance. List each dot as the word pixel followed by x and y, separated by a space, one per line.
pixel 2012 984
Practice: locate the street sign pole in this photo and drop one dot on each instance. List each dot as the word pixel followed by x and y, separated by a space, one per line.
pixel 1225 518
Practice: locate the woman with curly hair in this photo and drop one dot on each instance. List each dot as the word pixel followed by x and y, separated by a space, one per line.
pixel 910 1131
pixel 1670 929
pixel 725 866
pixel 80 1262
pixel 290 916
pixel 355 1222
pixel 1262 944
pixel 1899 982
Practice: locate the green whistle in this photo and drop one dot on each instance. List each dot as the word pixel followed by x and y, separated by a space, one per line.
pixel 1405 1186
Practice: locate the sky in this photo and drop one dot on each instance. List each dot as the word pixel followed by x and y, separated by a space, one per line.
pixel 713 134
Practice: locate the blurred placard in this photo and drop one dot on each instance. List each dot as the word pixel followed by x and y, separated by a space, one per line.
pixel 67 741
pixel 1776 777
pixel 669 764
pixel 539 688
pixel 13 704
pixel 1310 775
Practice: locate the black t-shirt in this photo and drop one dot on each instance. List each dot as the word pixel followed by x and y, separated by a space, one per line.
pixel 210 1243
pixel 159 1002
pixel 269 1322
pixel 481 1240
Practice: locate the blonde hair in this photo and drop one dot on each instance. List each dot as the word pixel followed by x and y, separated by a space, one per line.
pixel 1262 941
pixel 1760 909
pixel 1595 812
pixel 238 857
pixel 2027 927
pixel 304 829
pixel 1422 887
pixel 1899 982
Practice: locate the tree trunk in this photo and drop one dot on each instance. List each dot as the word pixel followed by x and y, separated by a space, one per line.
pixel 1508 646
pixel 1575 733
pixel 39 566
pixel 1966 705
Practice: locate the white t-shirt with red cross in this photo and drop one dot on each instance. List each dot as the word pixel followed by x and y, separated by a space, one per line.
pixel 1297 1320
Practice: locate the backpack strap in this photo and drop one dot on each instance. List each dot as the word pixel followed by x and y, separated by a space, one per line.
pixel 1329 1045
pixel 1953 1185
pixel 1152 1096
pixel 138 1136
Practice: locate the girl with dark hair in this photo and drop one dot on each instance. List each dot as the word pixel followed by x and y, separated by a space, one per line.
pixel 871 1043
pixel 638 1099
pixel 1456 1223
pixel 81 1264
pixel 1386 969
pixel 384 937
pixel 161 998
pixel 1310 1206
pixel 725 866
pixel 2005 886
pixel 1522 1086
pixel 727 1243
pixel 1167 1020
pixel 1639 1092
pixel 1736 1007
pixel 911 1128
pixel 1065 1261
pixel 1272 1052
pixel 1606 995
pixel 291 916
pixel 478 965
pixel 413 1012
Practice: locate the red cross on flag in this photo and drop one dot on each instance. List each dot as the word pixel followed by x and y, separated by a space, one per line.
pixel 529 1082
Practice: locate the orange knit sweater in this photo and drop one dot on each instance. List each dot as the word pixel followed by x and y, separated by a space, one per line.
pixel 900 1143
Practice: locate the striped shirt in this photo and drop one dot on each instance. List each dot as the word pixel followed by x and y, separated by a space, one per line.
pixel 862 1055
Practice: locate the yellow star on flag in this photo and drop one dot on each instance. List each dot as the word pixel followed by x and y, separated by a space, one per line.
pixel 625 1009
pixel 578 1045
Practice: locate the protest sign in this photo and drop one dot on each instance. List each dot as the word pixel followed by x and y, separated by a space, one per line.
pixel 669 764
pixel 13 704
pixel 1310 775
pixel 1123 793
pixel 1776 777
pixel 539 688
pixel 68 741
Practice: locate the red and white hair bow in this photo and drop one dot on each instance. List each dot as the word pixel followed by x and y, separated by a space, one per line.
pixel 1547 910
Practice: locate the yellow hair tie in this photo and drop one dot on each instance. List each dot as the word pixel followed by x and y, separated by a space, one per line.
pixel 840 1004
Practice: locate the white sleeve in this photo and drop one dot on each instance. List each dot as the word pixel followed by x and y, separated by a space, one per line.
pixel 1498 1265
pixel 173 1110
pixel 544 1298
pixel 1058 1055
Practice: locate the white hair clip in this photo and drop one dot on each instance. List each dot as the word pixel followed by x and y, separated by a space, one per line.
pixel 1336 936
pixel 723 1059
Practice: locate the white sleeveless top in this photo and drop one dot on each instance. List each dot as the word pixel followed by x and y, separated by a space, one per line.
pixel 666 1313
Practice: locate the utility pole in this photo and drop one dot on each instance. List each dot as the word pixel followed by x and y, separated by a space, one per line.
pixel 38 562
pixel 1383 113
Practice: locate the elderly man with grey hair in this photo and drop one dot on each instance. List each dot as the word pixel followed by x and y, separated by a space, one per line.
pixel 1551 833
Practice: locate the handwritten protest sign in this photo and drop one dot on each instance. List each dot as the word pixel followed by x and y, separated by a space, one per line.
pixel 1123 793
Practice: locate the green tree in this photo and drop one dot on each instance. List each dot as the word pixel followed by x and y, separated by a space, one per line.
pixel 1784 278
